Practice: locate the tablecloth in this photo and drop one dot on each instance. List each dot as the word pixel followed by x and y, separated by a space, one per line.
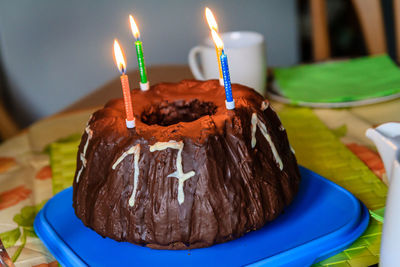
pixel 25 174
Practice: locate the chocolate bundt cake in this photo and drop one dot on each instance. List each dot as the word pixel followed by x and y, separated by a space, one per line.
pixel 191 174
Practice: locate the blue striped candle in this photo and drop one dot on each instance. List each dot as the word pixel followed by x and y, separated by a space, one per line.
pixel 230 103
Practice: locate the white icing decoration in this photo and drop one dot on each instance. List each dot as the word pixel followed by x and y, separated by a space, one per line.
pixel 83 160
pixel 83 154
pixel 90 134
pixel 122 157
pixel 179 174
pixel 136 151
pixel 264 105
pixel 79 174
pixel 256 122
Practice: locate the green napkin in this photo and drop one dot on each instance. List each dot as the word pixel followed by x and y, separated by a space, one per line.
pixel 340 81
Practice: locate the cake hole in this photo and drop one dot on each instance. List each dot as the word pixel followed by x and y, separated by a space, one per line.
pixel 169 113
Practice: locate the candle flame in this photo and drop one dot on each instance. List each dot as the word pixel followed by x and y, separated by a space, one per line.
pixel 134 27
pixel 217 40
pixel 212 23
pixel 119 57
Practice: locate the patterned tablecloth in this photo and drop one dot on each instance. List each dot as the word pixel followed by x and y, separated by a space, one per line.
pixel 326 141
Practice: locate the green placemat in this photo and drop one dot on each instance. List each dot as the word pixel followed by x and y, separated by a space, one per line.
pixel 63 162
pixel 318 149
pixel 378 214
pixel 341 81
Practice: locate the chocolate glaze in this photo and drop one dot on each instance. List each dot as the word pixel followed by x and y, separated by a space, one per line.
pixel 235 189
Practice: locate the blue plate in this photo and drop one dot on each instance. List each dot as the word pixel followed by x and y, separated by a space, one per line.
pixel 323 220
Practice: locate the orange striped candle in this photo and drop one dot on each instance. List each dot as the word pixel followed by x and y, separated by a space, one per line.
pixel 120 62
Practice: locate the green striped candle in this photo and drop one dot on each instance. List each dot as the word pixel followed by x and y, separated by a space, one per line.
pixel 142 68
pixel 144 83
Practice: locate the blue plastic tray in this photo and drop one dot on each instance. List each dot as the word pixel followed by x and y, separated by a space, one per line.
pixel 323 220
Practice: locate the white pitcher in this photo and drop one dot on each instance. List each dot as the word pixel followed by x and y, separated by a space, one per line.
pixel 387 140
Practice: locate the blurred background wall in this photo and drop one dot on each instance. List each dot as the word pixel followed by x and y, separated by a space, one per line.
pixel 345 32
pixel 53 52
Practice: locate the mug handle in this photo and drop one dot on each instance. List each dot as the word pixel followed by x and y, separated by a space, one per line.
pixel 193 64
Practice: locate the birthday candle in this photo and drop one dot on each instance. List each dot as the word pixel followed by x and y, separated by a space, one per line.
pixel 120 62
pixel 144 83
pixel 227 78
pixel 229 102
pixel 212 23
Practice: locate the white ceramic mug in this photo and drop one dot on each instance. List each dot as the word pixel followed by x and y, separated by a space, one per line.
pixel 246 59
